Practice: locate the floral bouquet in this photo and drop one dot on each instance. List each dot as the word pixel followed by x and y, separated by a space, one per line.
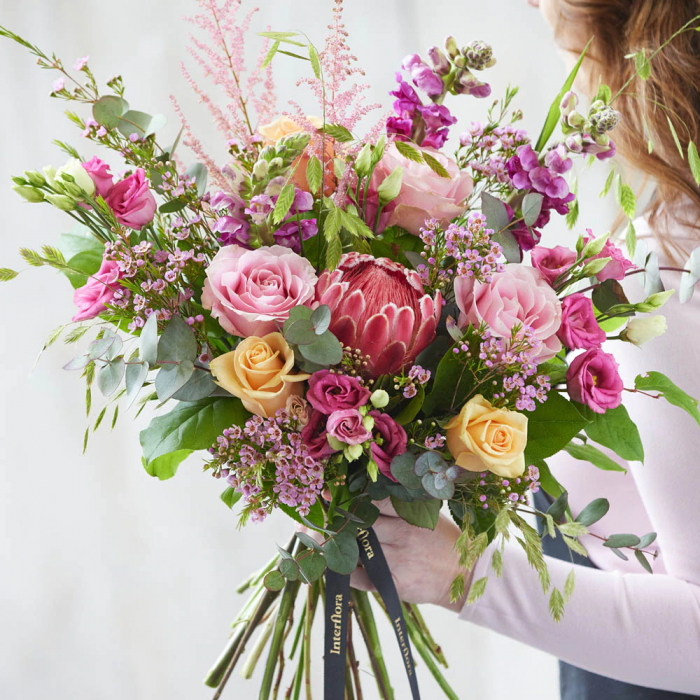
pixel 342 319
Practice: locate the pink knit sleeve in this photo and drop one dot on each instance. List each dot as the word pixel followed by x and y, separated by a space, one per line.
pixel 634 627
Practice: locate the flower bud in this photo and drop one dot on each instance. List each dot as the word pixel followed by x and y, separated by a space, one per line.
pixel 77 174
pixel 642 330
pixel 440 63
pixel 61 201
pixel 593 267
pixel 35 178
pixel 575 120
pixel 655 301
pixel 460 61
pixel 451 47
pixel 605 120
pixel 379 398
pixel 574 143
pixel 276 163
pixel 260 169
pixel 353 452
pixel 368 423
pixel 479 55
pixel 50 173
pixel 30 194
pixel 568 103
pixel 268 153
pixel 595 246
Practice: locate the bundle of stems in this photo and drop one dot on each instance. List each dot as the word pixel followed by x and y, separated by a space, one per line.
pixel 288 641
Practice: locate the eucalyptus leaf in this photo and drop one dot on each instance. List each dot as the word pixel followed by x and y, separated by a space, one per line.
pixel 342 552
pixel 178 342
pixel 593 512
pixel 308 541
pixel 110 376
pixel 532 206
pixel 300 332
pixel 402 469
pixel 312 566
pixel 509 245
pixel 646 540
pixel 171 378
pixel 438 486
pixel 321 319
pixel 423 514
pixel 108 110
pixel 80 362
pixel 198 386
pixel 98 348
pixel 135 378
pixel 274 581
pixel 289 569
pixel 621 541
pixel 495 212
pixel 148 342
pixel 326 350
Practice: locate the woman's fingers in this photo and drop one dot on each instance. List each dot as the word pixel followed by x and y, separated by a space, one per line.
pixel 385 508
pixel 360 580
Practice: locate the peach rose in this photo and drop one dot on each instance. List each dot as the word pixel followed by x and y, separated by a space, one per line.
pixel 482 438
pixel 260 373
pixel 285 126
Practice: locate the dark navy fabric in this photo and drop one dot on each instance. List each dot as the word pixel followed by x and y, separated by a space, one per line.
pixel 575 683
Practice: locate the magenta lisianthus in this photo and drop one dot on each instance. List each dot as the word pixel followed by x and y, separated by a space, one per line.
pixel 552 262
pixel 315 437
pixel 579 329
pixel 593 379
pixel 329 392
pixel 379 308
pixel 394 442
pixel 348 427
pixel 100 174
pixel 91 299
pixel 132 201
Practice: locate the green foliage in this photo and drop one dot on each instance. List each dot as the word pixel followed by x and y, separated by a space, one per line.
pixel 451 386
pixel 457 586
pixel 148 342
pixel 675 137
pixel 419 513
pixel 409 412
pixel 270 54
pixel 315 61
pixel 173 377
pixel 554 113
pixel 627 201
pixel 588 453
pixel 616 430
pixel 83 253
pixel 691 278
pixel 6 274
pixel 284 203
pixel 608 184
pixel 337 132
pixel 642 65
pixel 593 512
pixel 532 206
pixel 694 162
pixel 110 376
pixel 476 590
pixel 572 214
pixel 140 123
pixel 655 381
pixel 341 551
pixel 556 604
pixel 408 151
pixel 189 427
pixel 177 343
pixel 108 110
pixel 626 540
pixel 314 174
pixel 230 497
pixel 274 581
pixel 435 165
pixel 551 426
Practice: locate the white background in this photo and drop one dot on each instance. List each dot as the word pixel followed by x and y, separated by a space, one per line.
pixel 114 585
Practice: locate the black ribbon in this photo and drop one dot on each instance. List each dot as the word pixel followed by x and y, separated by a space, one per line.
pixel 337 592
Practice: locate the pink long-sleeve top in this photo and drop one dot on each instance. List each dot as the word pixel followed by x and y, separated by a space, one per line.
pixel 622 622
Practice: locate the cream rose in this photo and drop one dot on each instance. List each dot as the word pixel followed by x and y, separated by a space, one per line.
pixel 284 126
pixel 482 438
pixel 260 373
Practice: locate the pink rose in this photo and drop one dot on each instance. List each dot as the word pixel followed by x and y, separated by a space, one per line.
pixel 99 172
pixel 424 194
pixel 552 262
pixel 347 427
pixel 92 298
pixel 330 392
pixel 617 267
pixel 132 201
pixel 579 329
pixel 394 442
pixel 518 296
pixel 251 292
pixel 314 434
pixel 592 379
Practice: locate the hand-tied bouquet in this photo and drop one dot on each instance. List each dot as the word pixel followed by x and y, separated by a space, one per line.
pixel 341 320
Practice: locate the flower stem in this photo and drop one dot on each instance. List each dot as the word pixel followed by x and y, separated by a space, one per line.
pixel 256 652
pixel 414 612
pixel 311 599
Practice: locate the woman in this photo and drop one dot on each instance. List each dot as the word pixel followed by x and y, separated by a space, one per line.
pixel 625 634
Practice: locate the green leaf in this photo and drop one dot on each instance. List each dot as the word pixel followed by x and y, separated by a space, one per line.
pixel 284 203
pixel 694 162
pixel 300 332
pixel 690 279
pixel 608 184
pixel 312 566
pixel 655 381
pixel 274 581
pixel 476 590
pixel 532 206
pixel 593 512
pixel 423 514
pixel 628 201
pixel 554 112
pixel 326 350
pixel 172 206
pixel 615 541
pixel 135 378
pixel 390 186
pixel 315 62
pixel 495 212
pixel 641 558
pixel 572 215
pixel 337 132
pixel 675 137
pixel 573 529
pixel 409 412
pixel 198 386
pixel 140 123
pixel 631 239
pixel 171 378
pixel 308 541
pixel 110 377
pixel 148 342
pixel 558 508
pixel 270 54
pixel 99 419
pixel 230 497
pixel 451 386
pixel 551 426
pixel 408 151
pixel 646 540
pixel 177 343
pixel 288 567
pixel 342 552
pixel 589 453
pixel 314 174
pixel 189 427
pixel 333 224
pixel 84 253
pixel 616 430
pixel 435 165
pixel 642 65
pixel 108 110
pixel 402 469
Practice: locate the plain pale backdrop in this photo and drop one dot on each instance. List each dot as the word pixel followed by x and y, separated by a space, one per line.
pixel 113 585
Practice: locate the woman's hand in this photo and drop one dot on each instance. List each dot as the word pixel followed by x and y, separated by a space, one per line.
pixel 423 562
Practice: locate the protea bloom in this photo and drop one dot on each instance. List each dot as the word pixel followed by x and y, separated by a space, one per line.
pixel 379 308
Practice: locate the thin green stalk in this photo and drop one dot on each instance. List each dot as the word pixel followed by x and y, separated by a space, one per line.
pixel 435 648
pixel 354 666
pixel 311 599
pixel 419 644
pixel 368 627
pixel 349 692
pixel 256 652
pixel 285 609
pixel 298 633
pixel 298 676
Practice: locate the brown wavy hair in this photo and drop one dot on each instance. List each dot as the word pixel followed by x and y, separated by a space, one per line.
pixel 623 27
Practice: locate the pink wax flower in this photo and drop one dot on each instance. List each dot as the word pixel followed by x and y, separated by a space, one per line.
pixel 618 265
pixel 92 298
pixel 100 174
pixel 314 436
pixel 518 296
pixel 579 329
pixel 250 292
pixel 347 427
pixel 394 442
pixel 330 392
pixel 379 308
pixel 424 194
pixel 592 379
pixel 552 262
pixel 132 201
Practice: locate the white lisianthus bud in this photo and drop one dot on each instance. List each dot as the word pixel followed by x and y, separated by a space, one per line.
pixel 655 301
pixel 30 194
pixel 335 443
pixel 593 267
pixel 61 202
pixel 34 178
pixel 50 173
pixel 75 169
pixel 379 398
pixel 353 452
pixel 642 330
pixel 594 246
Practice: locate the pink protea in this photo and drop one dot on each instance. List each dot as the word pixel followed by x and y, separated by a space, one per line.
pixel 379 308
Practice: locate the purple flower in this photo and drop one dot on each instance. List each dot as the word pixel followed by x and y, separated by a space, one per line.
pixel 233 231
pixel 407 98
pixel 260 207
pixel 399 126
pixel 427 80
pixel 347 426
pixel 303 201
pixel 437 116
pixel 558 160
pixel 394 442
pixel 329 392
pixel 288 235
pixel 435 139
